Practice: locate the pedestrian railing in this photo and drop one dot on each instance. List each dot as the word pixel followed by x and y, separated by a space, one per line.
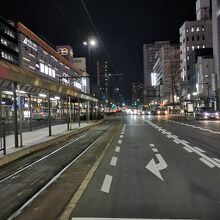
pixel 2 136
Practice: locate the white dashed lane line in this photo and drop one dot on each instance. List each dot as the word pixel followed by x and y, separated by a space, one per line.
pixel 113 161
pixel 119 141
pixel 121 136
pixel 117 149
pixel 106 184
pixel 211 162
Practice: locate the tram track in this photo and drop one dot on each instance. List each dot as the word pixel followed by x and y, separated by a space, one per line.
pixel 28 182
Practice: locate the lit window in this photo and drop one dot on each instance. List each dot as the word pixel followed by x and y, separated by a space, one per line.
pixel 53 73
pixel 197 29
pixel 193 47
pixel 46 70
pixel 187 30
pixel 203 46
pixel 42 67
pixel 198 47
pixel 187 57
pixel 192 29
pixel 50 71
pixel 187 48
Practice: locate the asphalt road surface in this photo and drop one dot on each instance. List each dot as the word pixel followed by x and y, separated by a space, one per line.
pixel 157 168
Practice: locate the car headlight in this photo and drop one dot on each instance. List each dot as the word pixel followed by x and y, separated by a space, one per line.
pixel 149 112
pixel 166 112
pixel 206 114
pixel 216 114
pixel 158 112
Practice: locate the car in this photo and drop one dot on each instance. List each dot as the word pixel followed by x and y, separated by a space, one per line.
pixel 205 113
pixel 159 111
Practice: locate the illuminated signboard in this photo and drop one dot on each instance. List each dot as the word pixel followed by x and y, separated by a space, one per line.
pixel 63 51
pixel 30 43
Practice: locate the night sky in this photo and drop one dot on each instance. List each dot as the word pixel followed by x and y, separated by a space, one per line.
pixel 124 26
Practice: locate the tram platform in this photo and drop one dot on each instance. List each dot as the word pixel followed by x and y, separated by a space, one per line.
pixel 39 139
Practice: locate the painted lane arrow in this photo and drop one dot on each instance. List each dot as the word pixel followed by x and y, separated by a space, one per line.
pixel 155 168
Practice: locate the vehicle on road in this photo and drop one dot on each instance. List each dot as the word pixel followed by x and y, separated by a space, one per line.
pixel 205 113
pixel 159 110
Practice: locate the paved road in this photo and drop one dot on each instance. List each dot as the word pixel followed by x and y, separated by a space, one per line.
pixel 157 168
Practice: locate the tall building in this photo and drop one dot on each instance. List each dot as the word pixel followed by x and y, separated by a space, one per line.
pixel 37 56
pixel 8 42
pixel 149 52
pixel 194 35
pixel 137 93
pixel 167 72
pixel 216 46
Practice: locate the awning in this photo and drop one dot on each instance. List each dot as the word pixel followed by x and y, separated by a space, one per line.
pixel 13 73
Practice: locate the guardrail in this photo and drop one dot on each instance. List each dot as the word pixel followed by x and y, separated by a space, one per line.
pixel 2 136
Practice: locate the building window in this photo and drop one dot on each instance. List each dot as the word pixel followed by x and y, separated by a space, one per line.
pixel 197 38
pixel 42 67
pixel 187 30
pixel 187 57
pixel 197 29
pixel 198 47
pixel 193 47
pixel 192 38
pixel 192 29
pixel 187 48
pixel 203 28
pixel 203 46
pixel 203 37
pixel 187 38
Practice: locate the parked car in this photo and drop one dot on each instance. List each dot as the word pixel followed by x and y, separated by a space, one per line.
pixel 206 113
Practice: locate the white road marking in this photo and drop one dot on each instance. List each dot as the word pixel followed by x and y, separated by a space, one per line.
pixel 216 159
pixel 122 132
pixel 119 141
pixel 117 149
pixel 114 161
pixel 154 150
pixel 187 149
pixel 185 141
pixel 168 136
pixel 155 168
pixel 152 145
pixel 176 141
pixel 121 136
pixel 199 149
pixel 106 184
pixel 207 162
pixel 89 218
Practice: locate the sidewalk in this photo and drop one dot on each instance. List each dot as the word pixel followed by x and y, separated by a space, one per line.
pixel 38 139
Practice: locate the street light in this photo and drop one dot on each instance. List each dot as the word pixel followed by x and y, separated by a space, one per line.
pixel 90 43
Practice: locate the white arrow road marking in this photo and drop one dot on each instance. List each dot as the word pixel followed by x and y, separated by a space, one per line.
pixel 155 168
pixel 155 150
pixel 106 184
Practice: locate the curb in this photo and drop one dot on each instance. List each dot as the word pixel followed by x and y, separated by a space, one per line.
pixel 37 147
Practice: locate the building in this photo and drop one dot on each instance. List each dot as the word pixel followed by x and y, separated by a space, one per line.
pixel 137 93
pixel 216 46
pixel 37 56
pixel 149 52
pixel 202 78
pixel 166 72
pixel 194 35
pixel 8 42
